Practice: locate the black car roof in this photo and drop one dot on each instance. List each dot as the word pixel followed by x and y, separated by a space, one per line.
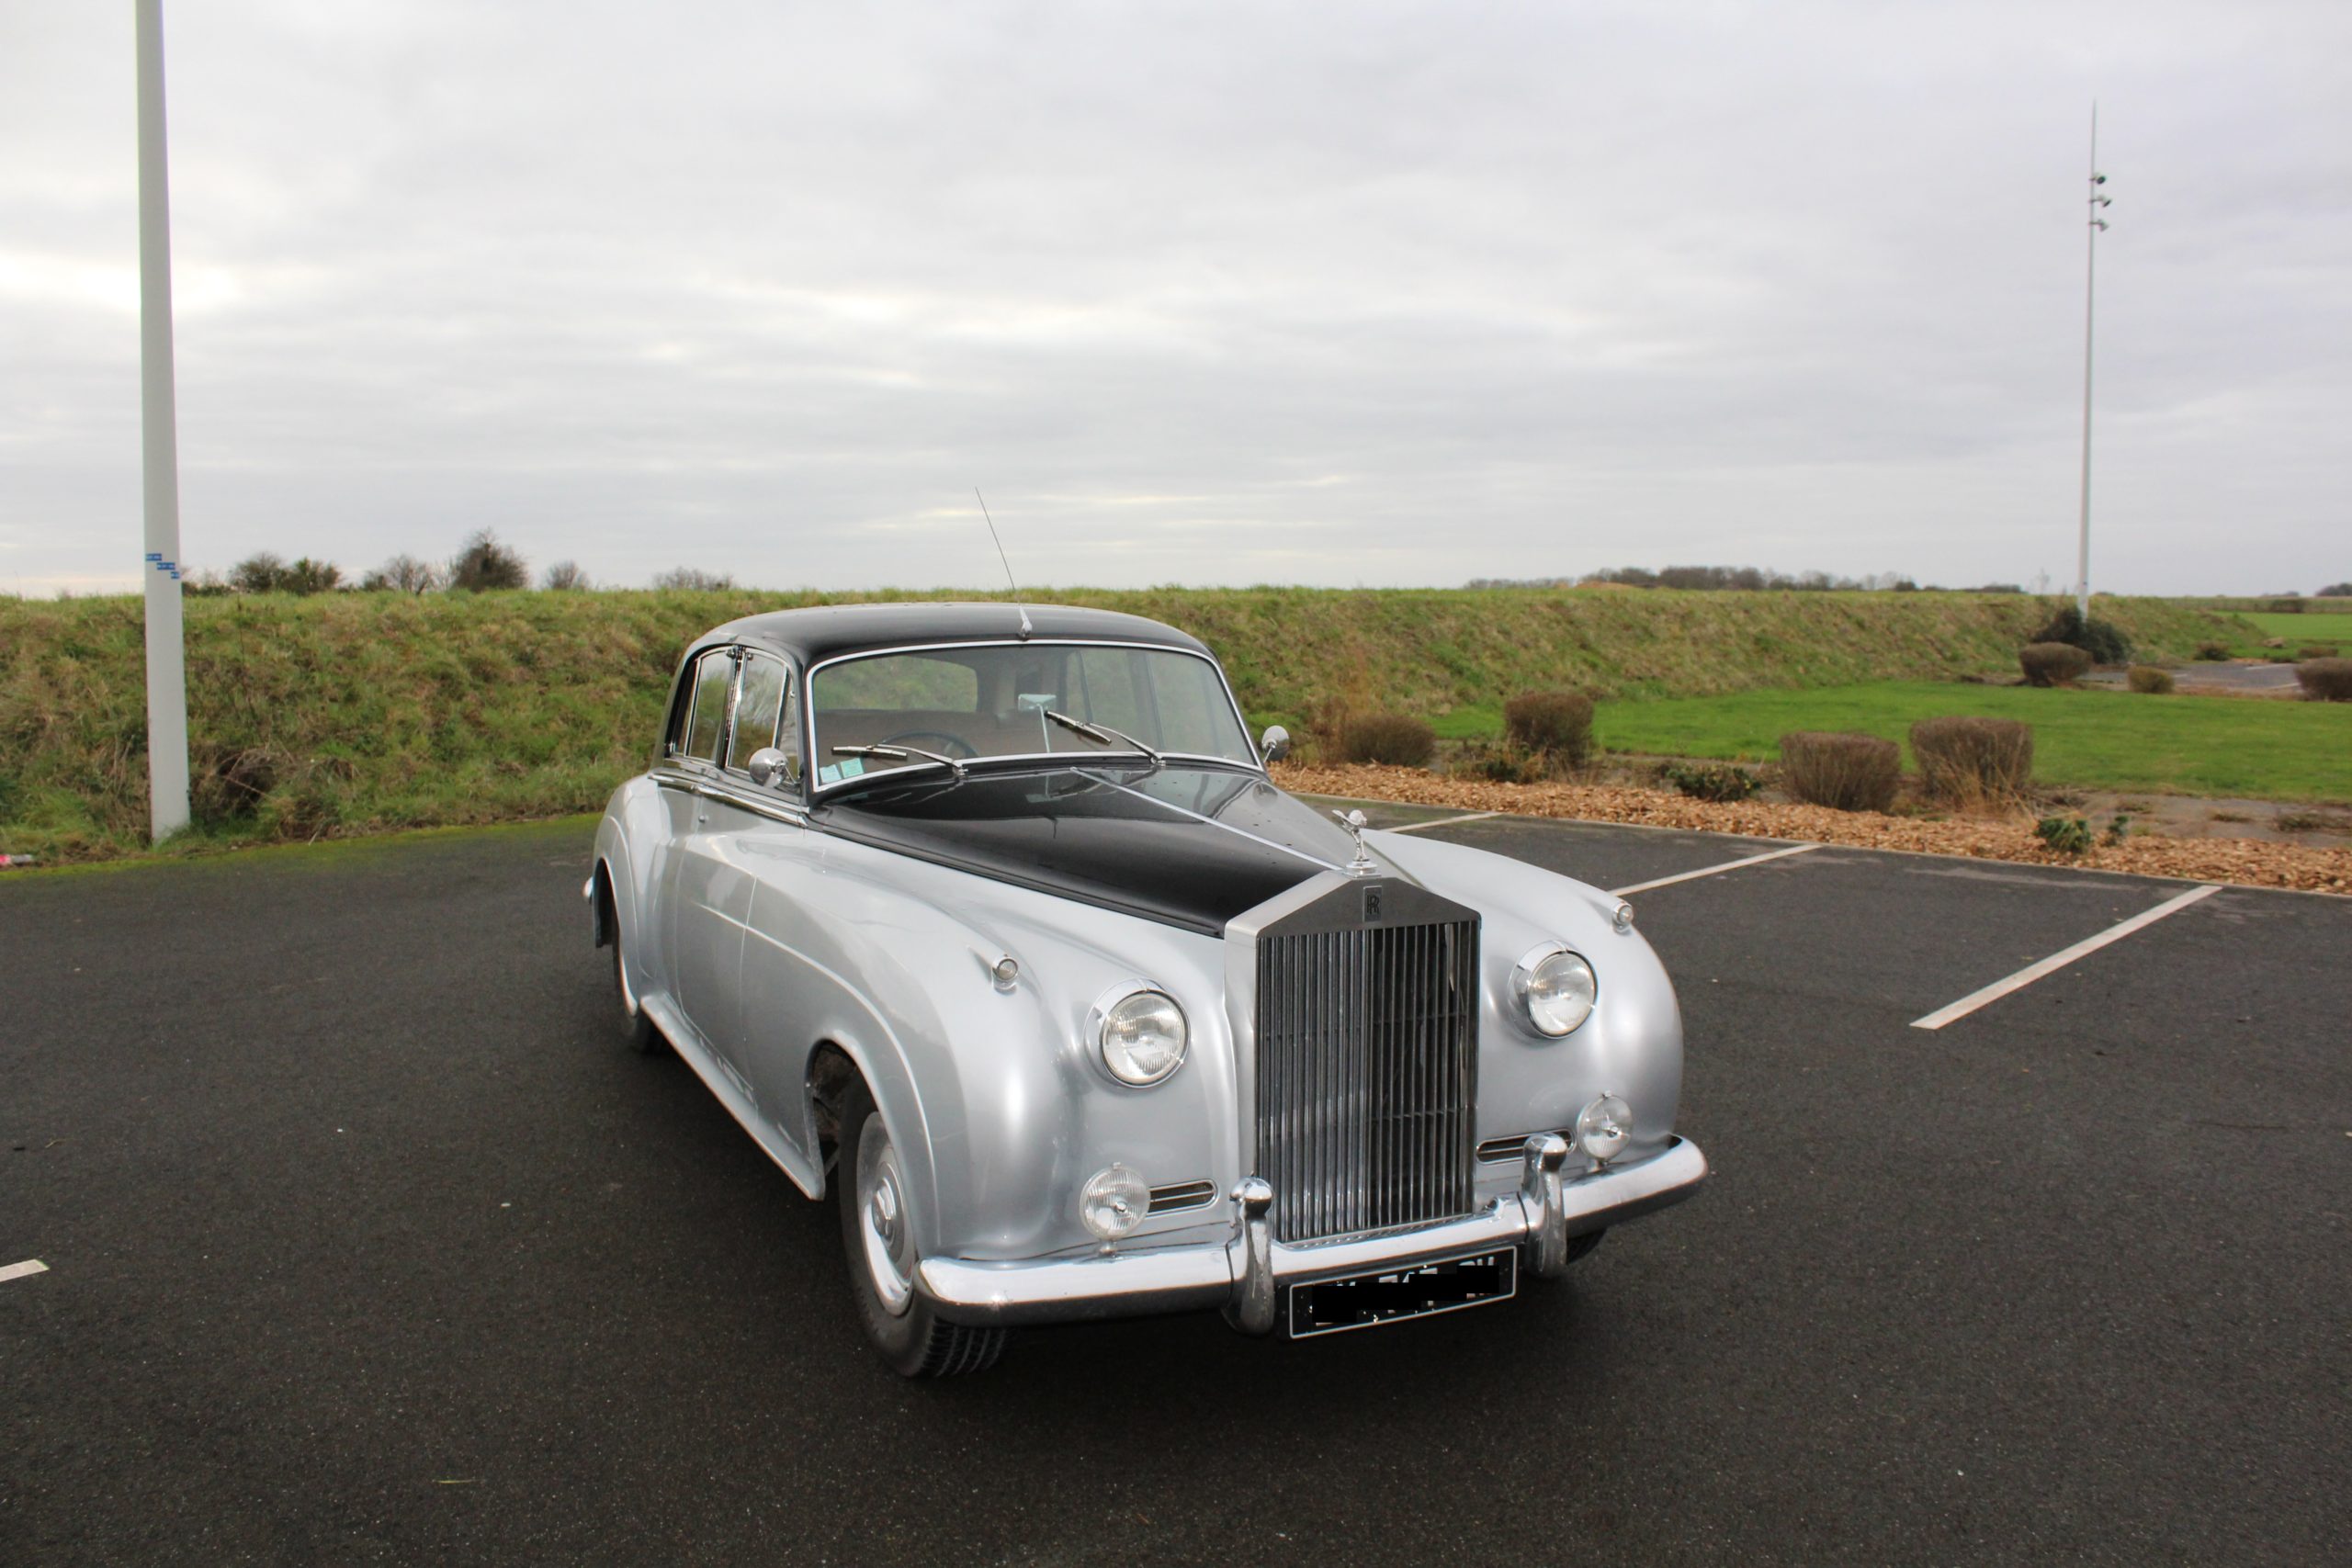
pixel 828 631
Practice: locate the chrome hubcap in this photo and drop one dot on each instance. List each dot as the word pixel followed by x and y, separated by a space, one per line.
pixel 882 1220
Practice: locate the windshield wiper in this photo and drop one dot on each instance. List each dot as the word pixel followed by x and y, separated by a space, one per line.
pixel 1103 733
pixel 952 765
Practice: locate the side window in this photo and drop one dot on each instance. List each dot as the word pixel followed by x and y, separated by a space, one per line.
pixel 714 677
pixel 760 711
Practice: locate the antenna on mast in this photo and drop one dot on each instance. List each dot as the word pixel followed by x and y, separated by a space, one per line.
pixel 1025 627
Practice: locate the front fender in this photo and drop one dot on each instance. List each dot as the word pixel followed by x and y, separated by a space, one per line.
pixel 991 1092
pixel 1632 1045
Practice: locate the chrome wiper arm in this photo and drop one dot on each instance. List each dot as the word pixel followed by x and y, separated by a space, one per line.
pixel 954 765
pixel 1103 733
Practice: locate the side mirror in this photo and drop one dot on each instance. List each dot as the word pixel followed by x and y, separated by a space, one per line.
pixel 770 766
pixel 1275 744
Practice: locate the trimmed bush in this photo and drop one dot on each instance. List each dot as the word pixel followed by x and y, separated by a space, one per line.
pixel 2326 680
pixel 2214 652
pixel 2053 663
pixel 2067 835
pixel 1848 773
pixel 1710 781
pixel 2318 650
pixel 1970 761
pixel 1396 739
pixel 1557 724
pixel 2149 680
pixel 2101 639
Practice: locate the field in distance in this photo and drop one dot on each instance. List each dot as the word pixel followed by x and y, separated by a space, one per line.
pixel 2109 739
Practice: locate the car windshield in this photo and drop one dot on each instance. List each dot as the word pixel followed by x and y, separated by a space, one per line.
pixel 997 700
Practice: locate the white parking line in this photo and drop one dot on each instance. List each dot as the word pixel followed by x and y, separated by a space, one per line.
pixel 1713 870
pixel 2057 961
pixel 1443 822
pixel 22 1271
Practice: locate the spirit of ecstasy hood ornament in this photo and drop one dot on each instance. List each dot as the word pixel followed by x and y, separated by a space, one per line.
pixel 1353 821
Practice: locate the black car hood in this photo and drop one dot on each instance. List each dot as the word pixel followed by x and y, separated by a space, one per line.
pixel 1190 847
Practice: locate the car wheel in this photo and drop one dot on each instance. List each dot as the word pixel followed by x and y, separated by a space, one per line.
pixel 877 1233
pixel 637 1027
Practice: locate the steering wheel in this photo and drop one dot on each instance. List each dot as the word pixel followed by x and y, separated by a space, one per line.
pixel 949 743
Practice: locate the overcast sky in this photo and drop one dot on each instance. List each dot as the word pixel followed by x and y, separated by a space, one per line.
pixel 1353 294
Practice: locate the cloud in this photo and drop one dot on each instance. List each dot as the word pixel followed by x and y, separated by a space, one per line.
pixel 1383 293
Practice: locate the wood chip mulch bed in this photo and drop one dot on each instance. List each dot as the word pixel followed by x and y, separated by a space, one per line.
pixel 2246 861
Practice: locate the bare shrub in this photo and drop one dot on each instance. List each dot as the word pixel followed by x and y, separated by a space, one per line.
pixel 2054 663
pixel 404 574
pixel 2149 680
pixel 693 579
pixel 1850 772
pixel 1974 761
pixel 2326 680
pixel 1396 739
pixel 564 577
pixel 2214 652
pixel 2318 650
pixel 1557 724
pixel 483 564
pixel 263 572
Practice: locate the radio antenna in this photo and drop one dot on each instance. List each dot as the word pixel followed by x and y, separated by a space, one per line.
pixel 1025 627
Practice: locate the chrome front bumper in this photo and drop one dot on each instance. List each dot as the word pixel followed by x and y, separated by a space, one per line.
pixel 1244 1275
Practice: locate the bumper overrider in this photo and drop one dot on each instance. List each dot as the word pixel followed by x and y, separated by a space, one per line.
pixel 1246 1275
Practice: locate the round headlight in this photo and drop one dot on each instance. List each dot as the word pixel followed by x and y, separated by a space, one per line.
pixel 1557 988
pixel 1114 1201
pixel 1604 1127
pixel 1143 1037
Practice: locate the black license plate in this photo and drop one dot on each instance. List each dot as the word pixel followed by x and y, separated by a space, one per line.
pixel 1366 1301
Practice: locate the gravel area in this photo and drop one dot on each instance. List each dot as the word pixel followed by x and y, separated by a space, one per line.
pixel 2249 862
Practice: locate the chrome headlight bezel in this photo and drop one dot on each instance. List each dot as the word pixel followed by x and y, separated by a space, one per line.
pixel 1524 988
pixel 1102 1022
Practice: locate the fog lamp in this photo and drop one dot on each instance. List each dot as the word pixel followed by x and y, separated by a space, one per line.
pixel 1604 1127
pixel 1114 1201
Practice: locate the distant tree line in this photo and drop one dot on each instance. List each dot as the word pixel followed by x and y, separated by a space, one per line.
pixel 1742 579
pixel 482 565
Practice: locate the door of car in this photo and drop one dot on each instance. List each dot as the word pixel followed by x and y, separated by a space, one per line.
pixel 781 989
pixel 707 892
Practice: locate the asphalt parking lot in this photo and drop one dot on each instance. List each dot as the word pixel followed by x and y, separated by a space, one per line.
pixel 367 1240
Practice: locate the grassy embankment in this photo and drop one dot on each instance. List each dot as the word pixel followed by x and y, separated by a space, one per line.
pixel 360 713
pixel 2089 738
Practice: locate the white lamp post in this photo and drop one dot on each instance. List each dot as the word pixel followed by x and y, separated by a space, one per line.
pixel 159 449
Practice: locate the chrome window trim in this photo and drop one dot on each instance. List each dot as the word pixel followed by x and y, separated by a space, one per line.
pixel 744 654
pixel 727 791
pixel 809 705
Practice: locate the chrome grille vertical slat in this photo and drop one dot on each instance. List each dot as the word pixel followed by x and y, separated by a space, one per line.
pixel 1366 1073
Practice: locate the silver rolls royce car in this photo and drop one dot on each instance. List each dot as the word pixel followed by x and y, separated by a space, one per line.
pixel 992 919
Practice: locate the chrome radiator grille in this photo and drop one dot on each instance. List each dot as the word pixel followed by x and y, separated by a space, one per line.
pixel 1367 1045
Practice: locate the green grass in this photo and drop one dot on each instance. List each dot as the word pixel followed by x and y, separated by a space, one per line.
pixel 2299 632
pixel 369 713
pixel 2091 739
